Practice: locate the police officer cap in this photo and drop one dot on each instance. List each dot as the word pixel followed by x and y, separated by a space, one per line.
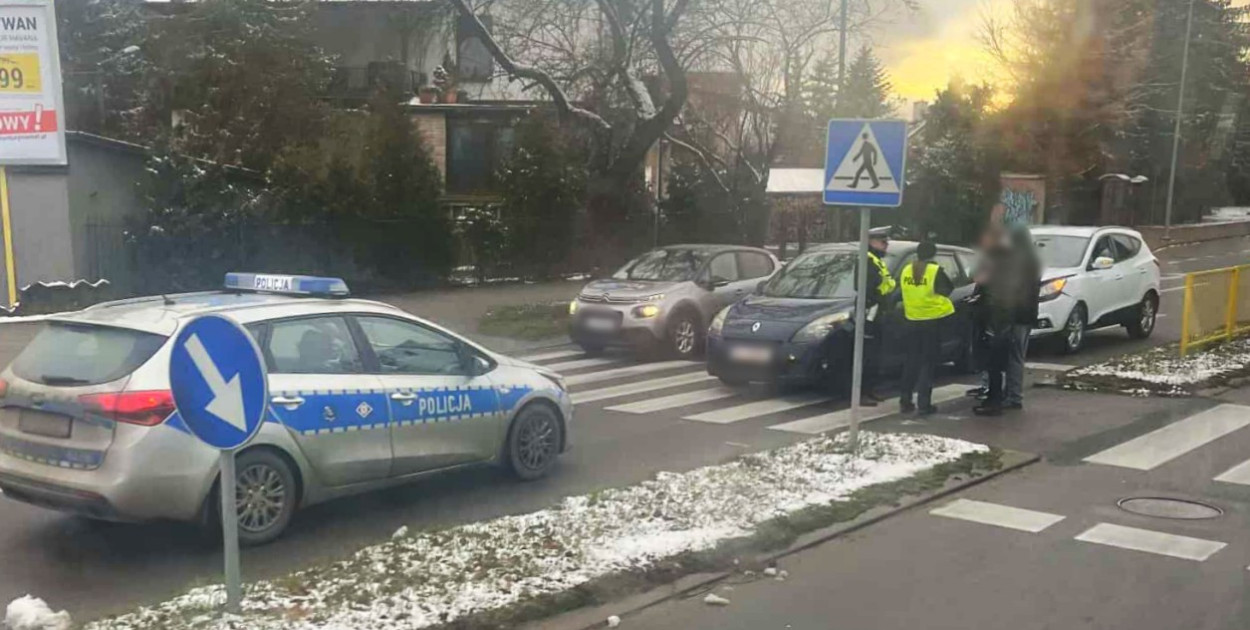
pixel 880 232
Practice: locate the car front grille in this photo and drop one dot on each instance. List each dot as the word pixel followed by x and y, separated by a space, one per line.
pixel 602 298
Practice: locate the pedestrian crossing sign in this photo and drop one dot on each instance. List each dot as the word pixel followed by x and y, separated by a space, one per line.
pixel 864 162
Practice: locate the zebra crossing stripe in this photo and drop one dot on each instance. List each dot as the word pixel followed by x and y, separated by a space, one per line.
pixel 629 370
pixel 676 400
pixel 1176 439
pixel 757 408
pixel 581 364
pixel 641 387
pixel 1183 547
pixel 1239 474
pixel 998 515
pixel 821 423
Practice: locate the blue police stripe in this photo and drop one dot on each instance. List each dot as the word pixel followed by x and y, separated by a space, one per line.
pixel 51 455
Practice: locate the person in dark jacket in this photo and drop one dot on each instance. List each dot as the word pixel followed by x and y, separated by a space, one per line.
pixel 881 286
pixel 1008 285
pixel 926 293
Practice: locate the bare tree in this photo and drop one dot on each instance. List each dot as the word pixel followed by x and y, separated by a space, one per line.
pixel 590 60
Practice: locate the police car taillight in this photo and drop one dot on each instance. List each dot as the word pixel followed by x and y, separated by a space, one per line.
pixel 289 285
pixel 146 408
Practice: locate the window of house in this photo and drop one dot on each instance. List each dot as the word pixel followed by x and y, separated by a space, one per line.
pixel 476 149
pixel 473 62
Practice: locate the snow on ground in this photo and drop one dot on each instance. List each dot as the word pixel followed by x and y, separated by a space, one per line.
pixel 1163 366
pixel 32 613
pixel 434 577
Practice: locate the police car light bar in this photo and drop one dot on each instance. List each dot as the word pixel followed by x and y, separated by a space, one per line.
pixel 290 285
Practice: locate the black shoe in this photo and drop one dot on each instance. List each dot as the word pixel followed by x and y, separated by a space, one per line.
pixel 1013 406
pixel 977 392
pixel 906 407
pixel 988 409
pixel 927 411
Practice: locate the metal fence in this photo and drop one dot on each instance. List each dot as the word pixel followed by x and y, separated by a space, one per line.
pixel 1217 306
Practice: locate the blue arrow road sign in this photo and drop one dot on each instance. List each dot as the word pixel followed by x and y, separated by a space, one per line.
pixel 218 381
pixel 864 162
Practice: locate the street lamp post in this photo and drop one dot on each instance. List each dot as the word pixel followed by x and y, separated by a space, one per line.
pixel 1176 130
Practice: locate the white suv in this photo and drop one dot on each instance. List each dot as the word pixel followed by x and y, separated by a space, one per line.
pixel 1093 277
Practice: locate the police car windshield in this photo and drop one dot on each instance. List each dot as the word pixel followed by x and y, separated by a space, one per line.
pixel 66 355
pixel 671 265
pixel 1060 251
pixel 815 276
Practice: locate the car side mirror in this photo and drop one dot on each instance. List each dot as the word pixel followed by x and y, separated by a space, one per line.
pixel 1102 262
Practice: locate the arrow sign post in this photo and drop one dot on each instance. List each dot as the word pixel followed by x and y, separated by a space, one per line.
pixel 220 388
pixel 864 164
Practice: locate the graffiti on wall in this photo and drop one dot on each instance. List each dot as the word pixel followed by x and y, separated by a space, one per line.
pixel 1023 200
pixel 1018 206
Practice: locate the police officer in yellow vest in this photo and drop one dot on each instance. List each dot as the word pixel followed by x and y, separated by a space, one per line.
pixel 881 285
pixel 926 302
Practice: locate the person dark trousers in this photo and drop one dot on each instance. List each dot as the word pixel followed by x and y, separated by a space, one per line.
pixel 881 286
pixel 926 302
pixel 996 371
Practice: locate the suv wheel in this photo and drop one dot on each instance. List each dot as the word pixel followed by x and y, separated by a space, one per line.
pixel 1144 318
pixel 685 335
pixel 1073 335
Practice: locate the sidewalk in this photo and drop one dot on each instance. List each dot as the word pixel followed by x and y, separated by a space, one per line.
pixel 460 309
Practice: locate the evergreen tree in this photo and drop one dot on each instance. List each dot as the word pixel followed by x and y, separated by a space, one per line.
pixel 820 89
pixel 867 88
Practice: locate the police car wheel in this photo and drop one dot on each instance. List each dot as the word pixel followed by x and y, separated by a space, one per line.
pixel 265 496
pixel 534 441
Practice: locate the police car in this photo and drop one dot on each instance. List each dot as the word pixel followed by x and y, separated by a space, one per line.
pixel 362 395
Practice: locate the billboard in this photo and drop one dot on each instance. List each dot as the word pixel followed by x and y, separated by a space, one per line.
pixel 32 120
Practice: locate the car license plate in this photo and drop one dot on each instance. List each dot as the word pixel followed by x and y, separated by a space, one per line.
pixel 751 354
pixel 45 424
pixel 601 324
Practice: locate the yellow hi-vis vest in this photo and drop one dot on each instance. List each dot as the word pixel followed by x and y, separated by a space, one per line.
pixel 920 301
pixel 886 286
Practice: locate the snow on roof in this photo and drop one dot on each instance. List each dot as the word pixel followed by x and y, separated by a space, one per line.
pixel 796 180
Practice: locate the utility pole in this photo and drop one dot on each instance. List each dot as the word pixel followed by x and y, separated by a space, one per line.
pixel 842 50
pixel 1176 131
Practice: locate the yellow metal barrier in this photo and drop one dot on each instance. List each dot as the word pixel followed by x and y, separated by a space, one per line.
pixel 1217 306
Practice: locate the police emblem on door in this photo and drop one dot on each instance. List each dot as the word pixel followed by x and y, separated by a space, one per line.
pixel 755 327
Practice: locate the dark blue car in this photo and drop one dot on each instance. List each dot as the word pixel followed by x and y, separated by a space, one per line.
pixel 798 326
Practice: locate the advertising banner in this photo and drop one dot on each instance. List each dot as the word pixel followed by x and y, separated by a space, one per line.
pixel 32 125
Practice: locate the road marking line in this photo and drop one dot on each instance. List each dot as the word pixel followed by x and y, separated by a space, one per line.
pixel 999 515
pixel 1149 541
pixel 1180 288
pixel 758 408
pixel 582 363
pixel 550 356
pixel 628 389
pixel 1049 367
pixel 676 400
pixel 1239 474
pixel 1176 439
pixel 818 424
pixel 629 370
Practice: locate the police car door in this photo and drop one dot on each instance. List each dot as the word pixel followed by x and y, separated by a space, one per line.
pixel 319 389
pixel 441 414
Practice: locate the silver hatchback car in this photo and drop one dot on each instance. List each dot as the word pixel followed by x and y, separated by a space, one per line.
pixel 665 298
pixel 363 395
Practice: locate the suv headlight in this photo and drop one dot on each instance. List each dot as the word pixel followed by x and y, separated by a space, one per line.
pixel 820 327
pixel 1051 289
pixel 573 307
pixel 718 322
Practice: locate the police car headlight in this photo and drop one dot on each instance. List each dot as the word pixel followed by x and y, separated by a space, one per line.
pixel 819 328
pixel 573 307
pixel 718 322
pixel 646 311
pixel 1051 289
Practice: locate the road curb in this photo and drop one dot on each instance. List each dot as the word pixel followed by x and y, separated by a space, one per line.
pixel 588 618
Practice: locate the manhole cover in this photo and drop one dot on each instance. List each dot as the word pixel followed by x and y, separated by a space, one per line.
pixel 1161 507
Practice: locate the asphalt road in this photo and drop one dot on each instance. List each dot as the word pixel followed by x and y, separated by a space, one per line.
pixel 93 569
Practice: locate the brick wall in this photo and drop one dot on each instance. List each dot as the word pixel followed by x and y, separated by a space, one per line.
pixel 433 129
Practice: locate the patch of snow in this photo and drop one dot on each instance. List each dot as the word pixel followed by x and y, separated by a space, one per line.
pixel 400 533
pixel 32 613
pixel 771 571
pixel 713 599
pixel 1165 366
pixel 437 577
pixel 614 621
